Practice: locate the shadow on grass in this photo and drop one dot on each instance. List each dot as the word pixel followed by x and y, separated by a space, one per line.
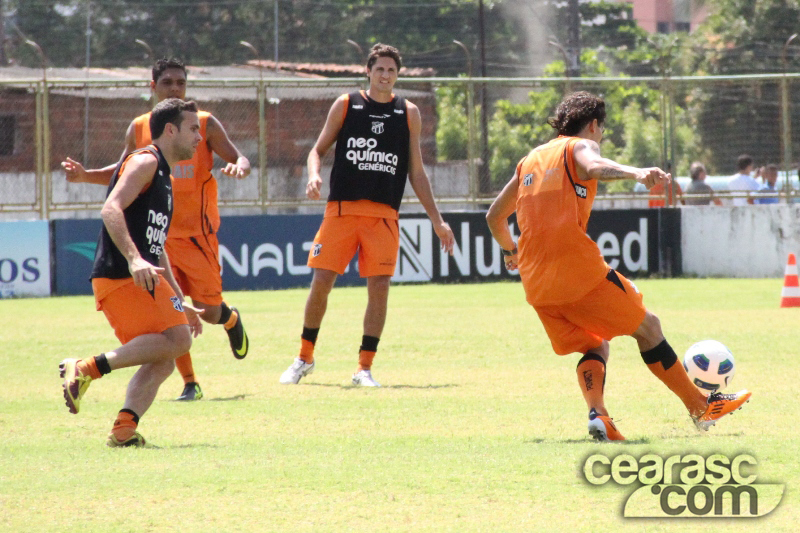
pixel 149 446
pixel 587 440
pixel 353 387
pixel 229 398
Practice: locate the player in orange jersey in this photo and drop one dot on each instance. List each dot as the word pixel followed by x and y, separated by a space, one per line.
pixel 131 277
pixel 581 301
pixel 192 243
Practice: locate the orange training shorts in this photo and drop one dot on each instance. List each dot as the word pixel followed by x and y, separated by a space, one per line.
pixel 195 265
pixel 376 240
pixel 611 309
pixel 133 311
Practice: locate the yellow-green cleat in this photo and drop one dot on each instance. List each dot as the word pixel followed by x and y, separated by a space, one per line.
pixel 191 392
pixel 237 337
pixel 75 384
pixel 135 441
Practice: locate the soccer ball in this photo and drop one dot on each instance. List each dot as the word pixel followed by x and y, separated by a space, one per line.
pixel 710 365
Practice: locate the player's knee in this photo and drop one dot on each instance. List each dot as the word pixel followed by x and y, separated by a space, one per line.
pixel 603 350
pixel 649 331
pixel 179 339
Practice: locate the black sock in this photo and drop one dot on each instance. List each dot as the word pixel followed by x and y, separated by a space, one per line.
pixel 310 334
pixel 135 416
pixel 663 353
pixel 369 344
pixel 225 314
pixel 102 364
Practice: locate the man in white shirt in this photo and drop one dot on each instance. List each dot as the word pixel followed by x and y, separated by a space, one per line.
pixel 742 181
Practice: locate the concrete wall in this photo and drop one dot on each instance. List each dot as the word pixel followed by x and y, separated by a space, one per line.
pixel 744 242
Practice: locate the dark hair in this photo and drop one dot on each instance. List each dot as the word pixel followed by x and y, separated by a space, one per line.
pixel 164 64
pixel 772 167
pixel 744 161
pixel 168 111
pixel 695 169
pixel 576 111
pixel 384 50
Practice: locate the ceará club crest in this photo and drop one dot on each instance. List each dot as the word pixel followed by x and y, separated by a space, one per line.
pixel 377 128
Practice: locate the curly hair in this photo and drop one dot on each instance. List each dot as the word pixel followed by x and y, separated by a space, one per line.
pixel 576 111
pixel 384 50
pixel 164 63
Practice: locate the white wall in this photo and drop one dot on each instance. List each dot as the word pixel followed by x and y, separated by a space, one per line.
pixel 746 242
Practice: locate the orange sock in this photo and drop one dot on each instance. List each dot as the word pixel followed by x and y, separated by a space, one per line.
pixel 591 372
pixel 125 425
pixel 306 351
pixel 678 382
pixel 184 364
pixel 365 359
pixel 88 367
pixel 664 364
pixel 232 320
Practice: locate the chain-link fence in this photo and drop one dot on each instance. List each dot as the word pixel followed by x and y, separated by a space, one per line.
pixel 475 130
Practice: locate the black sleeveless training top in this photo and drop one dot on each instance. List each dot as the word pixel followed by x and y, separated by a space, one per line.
pixel 372 150
pixel 147 217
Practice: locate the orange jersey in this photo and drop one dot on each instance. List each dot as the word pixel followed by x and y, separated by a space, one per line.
pixel 194 187
pixel 558 262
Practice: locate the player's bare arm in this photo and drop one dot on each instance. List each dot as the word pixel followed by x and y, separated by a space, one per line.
pixel 497 219
pixel 238 166
pixel 591 165
pixel 76 173
pixel 328 135
pixel 420 182
pixel 192 313
pixel 137 174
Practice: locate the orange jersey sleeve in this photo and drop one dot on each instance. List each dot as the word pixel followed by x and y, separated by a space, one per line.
pixel 558 262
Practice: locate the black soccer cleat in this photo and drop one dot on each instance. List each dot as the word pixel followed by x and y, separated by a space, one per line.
pixel 238 337
pixel 191 392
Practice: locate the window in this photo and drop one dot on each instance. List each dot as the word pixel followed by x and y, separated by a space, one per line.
pixel 8 130
pixel 683 26
pixel 662 27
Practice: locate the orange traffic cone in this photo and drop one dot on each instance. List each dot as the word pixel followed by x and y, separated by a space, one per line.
pixel 790 294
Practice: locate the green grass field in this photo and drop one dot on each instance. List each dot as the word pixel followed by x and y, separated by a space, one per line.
pixel 478 427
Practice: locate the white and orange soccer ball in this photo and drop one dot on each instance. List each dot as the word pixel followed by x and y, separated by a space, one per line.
pixel 710 365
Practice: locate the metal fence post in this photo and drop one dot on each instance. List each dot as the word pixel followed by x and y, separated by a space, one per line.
pixel 472 170
pixel 37 148
pixel 263 176
pixel 47 197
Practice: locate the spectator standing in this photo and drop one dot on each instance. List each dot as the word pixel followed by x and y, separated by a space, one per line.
pixel 770 176
pixel 743 181
pixel 697 171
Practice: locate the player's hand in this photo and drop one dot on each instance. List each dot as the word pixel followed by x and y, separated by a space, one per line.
pixel 446 236
pixel 650 177
pixel 511 261
pixel 145 275
pixel 193 316
pixel 75 172
pixel 237 170
pixel 313 188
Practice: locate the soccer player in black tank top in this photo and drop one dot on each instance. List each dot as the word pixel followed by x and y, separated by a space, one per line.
pixel 359 216
pixel 146 314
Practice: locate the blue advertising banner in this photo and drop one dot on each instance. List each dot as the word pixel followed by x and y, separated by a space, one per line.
pixel 270 251
pixel 74 242
pixel 24 259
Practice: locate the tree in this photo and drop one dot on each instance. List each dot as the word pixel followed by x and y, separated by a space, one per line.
pixel 742 37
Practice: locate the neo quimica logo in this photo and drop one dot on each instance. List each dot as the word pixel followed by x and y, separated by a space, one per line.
pixel 687 486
